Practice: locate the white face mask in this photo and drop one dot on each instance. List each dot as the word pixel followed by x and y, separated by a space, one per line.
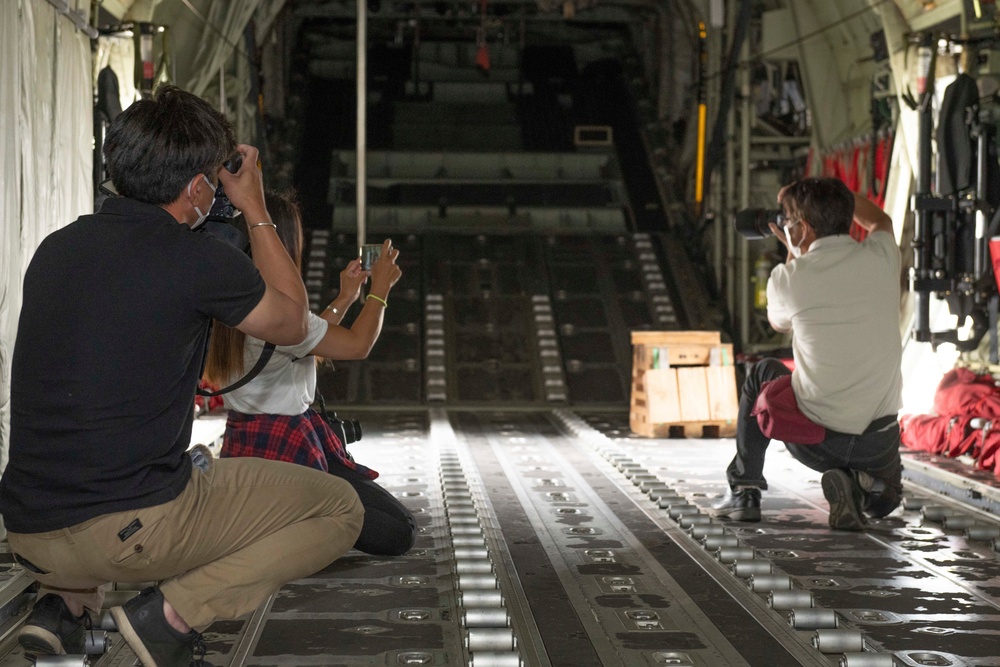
pixel 201 216
pixel 796 250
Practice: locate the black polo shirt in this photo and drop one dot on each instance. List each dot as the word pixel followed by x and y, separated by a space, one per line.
pixel 109 347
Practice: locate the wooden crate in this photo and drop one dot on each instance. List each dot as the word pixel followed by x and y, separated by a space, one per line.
pixel 683 384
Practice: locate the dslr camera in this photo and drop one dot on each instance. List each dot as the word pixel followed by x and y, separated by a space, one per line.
pixel 348 430
pixel 223 209
pixel 752 223
pixel 219 222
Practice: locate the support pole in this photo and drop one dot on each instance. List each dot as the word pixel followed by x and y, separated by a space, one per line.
pixel 699 176
pixel 666 60
pixel 145 67
pixel 744 245
pixel 982 151
pixel 991 308
pixel 728 208
pixel 361 204
pixel 724 222
pixel 921 228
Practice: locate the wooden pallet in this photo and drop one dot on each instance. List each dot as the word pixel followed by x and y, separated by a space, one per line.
pixel 683 385
pixel 709 429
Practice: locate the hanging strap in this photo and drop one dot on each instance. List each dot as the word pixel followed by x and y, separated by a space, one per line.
pixel 265 356
pixel 318 398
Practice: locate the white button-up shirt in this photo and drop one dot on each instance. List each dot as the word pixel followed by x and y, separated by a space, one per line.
pixel 841 302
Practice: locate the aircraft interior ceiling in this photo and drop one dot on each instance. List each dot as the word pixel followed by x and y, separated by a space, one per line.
pixel 569 185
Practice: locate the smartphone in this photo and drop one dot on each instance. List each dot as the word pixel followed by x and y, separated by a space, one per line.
pixel 369 254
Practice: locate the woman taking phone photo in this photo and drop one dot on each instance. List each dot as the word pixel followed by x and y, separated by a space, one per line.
pixel 270 417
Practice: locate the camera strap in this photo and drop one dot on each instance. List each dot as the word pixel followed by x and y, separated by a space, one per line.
pixel 265 356
pixel 333 422
pixel 318 398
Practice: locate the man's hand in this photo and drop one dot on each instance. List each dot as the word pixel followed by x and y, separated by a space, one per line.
pixel 782 191
pixel 245 188
pixel 385 273
pixel 281 316
pixel 869 216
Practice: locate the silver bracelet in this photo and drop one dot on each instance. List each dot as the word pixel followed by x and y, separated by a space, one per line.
pixel 333 309
pixel 261 224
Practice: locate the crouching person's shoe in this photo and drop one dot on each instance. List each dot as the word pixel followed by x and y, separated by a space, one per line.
pixel 145 629
pixel 739 505
pixel 845 498
pixel 51 629
pixel 878 499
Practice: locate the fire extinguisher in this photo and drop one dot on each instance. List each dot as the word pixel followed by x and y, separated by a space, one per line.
pixel 761 272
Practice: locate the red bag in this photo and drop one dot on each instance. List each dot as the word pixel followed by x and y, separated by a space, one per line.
pixel 779 417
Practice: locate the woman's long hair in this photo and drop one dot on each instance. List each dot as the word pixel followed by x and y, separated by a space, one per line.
pixel 225 348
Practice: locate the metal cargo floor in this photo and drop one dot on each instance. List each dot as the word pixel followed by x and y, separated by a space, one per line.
pixel 547 538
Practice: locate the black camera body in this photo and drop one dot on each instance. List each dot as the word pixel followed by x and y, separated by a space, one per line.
pixel 220 220
pixel 752 223
pixel 347 430
pixel 222 208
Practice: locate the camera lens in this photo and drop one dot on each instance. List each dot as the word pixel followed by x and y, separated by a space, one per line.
pixel 352 430
pixel 752 223
pixel 346 430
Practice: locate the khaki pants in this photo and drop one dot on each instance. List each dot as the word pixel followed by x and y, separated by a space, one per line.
pixel 240 530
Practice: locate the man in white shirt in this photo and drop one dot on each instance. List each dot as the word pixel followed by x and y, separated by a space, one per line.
pixel 840 298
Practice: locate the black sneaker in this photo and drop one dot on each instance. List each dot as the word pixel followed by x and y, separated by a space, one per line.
pixel 51 629
pixel 878 500
pixel 739 505
pixel 145 629
pixel 845 497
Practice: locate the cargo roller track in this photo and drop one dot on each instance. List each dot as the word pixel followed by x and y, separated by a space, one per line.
pixel 552 538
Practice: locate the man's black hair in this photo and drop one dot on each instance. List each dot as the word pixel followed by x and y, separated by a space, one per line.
pixel 826 203
pixel 156 146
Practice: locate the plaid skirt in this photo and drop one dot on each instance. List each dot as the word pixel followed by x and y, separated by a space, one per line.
pixel 304 439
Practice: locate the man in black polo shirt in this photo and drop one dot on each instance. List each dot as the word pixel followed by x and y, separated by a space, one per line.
pixel 100 487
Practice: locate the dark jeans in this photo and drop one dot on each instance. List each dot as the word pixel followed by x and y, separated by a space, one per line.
pixel 875 453
pixel 389 529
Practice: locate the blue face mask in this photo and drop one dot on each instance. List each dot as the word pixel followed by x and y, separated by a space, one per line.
pixel 201 216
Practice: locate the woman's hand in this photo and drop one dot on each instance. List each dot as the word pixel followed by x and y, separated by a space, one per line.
pixel 385 273
pixel 351 280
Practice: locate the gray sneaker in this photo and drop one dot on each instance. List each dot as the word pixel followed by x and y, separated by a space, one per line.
pixel 844 496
